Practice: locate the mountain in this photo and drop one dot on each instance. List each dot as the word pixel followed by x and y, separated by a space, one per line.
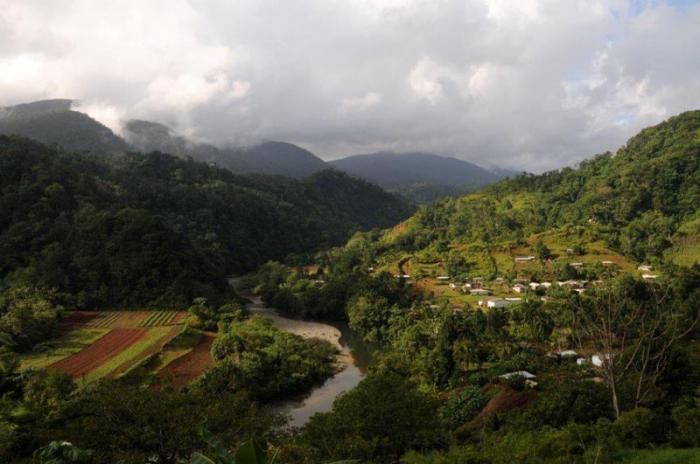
pixel 421 176
pixel 278 158
pixel 157 230
pixel 53 122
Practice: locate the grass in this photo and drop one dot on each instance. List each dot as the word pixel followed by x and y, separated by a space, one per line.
pixel 158 318
pixel 661 456
pixel 61 348
pixel 128 355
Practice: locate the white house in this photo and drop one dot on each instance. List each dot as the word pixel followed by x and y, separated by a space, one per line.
pixel 599 359
pixel 453 285
pixel 577 264
pixel 497 303
pixel 524 374
pixel 581 361
pixel 479 291
pixel 649 276
pixel 644 267
pixel 607 263
pixel 546 284
pixel 568 353
pixel 443 278
pixel 514 299
pixel 524 259
pixel 519 288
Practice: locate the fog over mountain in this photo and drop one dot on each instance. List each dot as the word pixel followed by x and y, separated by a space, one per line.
pixel 532 85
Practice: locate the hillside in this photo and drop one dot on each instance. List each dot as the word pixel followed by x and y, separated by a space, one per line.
pixel 638 201
pixel 421 176
pixel 158 230
pixel 54 123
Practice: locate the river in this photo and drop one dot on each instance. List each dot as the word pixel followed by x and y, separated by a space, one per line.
pixel 353 360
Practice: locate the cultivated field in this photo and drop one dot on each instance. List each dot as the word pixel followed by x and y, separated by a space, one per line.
pixel 95 345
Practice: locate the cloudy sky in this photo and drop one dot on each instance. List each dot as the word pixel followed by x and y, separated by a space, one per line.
pixel 528 84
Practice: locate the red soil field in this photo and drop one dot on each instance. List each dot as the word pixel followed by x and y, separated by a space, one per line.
pixel 101 351
pixel 150 351
pixel 188 367
pixel 178 317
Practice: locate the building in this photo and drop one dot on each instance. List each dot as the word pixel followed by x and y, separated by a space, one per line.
pixel 577 264
pixel 524 259
pixel 567 353
pixel 519 288
pixel 524 374
pixel 480 291
pixel 443 278
pixel 607 263
pixel 644 267
pixel 650 276
pixel 599 359
pixel 495 303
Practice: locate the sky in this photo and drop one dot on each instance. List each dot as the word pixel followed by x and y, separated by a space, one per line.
pixel 526 84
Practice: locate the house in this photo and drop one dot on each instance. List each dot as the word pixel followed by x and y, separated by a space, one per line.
pixel 607 263
pixel 480 291
pixel 567 353
pixel 514 299
pixel 529 377
pixel 546 284
pixel 519 288
pixel 443 278
pixel 499 280
pixel 524 259
pixel 495 303
pixel 570 251
pixel 370 269
pixel 599 359
pixel 644 267
pixel 577 264
pixel 581 361
pixel 571 283
pixel 453 285
pixel 649 276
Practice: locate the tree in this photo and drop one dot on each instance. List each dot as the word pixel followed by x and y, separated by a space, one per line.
pixel 382 418
pixel 634 326
pixel 541 250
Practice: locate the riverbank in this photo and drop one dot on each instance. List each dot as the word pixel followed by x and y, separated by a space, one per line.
pixel 305 329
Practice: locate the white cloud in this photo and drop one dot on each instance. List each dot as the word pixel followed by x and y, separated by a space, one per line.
pixel 530 84
pixel 360 104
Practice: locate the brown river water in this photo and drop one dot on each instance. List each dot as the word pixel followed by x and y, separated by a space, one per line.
pixel 353 360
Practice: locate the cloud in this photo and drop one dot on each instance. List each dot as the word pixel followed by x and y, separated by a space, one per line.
pixel 360 104
pixel 533 84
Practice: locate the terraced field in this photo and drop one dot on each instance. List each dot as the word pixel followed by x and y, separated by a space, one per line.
pixel 95 345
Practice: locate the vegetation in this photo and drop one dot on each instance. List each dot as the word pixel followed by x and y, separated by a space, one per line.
pixel 270 364
pixel 572 353
pixel 158 231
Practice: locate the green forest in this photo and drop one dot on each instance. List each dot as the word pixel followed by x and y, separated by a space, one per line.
pixel 546 319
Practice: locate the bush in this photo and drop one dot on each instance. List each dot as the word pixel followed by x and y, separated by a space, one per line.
pixel 639 428
pixel 463 406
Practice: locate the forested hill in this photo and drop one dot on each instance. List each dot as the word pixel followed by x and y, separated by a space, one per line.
pixel 643 201
pixel 277 158
pixel 157 230
pixel 53 122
